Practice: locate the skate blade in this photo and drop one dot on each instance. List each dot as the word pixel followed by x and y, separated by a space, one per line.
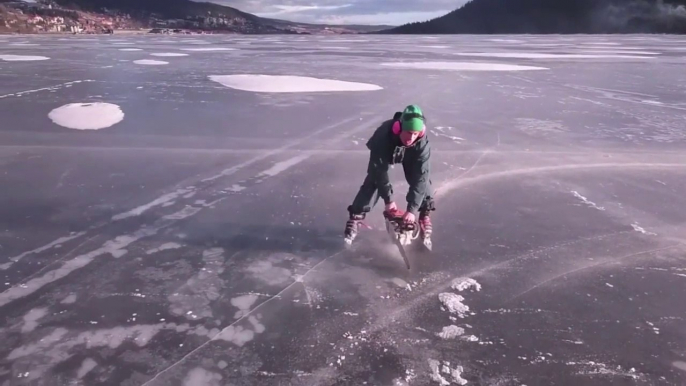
pixel 428 244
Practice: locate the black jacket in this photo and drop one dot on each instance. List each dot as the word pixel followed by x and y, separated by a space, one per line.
pixel 385 150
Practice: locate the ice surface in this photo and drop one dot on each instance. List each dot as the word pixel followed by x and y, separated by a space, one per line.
pixel 462 66
pixel 240 200
pixel 87 116
pixel 535 55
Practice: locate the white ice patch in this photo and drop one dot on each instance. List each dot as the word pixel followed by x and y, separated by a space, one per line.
pixel 679 365
pixel 537 55
pixel 109 247
pixel 164 247
pixel 463 283
pixel 55 243
pixel 130 49
pixel 150 62
pixel 87 116
pixel 186 212
pixel 453 303
pixel 168 54
pixel 450 332
pixel 455 374
pixel 235 188
pixel 280 167
pixel 193 299
pixel 209 49
pixel 87 365
pixel 69 299
pixel 158 201
pixel 586 201
pixel 243 303
pixel 22 58
pixel 236 335
pixel 462 66
pixel 31 319
pixel 288 84
pixel 638 228
pixel 201 377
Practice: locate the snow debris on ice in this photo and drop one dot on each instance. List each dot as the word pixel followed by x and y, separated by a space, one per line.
pixel 638 228
pixel 463 283
pixel 437 368
pixel 450 332
pixel 586 201
pixel 453 303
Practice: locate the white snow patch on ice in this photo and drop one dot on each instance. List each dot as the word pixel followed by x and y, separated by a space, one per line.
pixel 506 40
pixel 22 58
pixel 69 299
pixel 586 201
pixel 164 247
pixel 130 49
pixel 453 303
pixel 158 201
pixel 680 274
pixel 463 283
pixel 679 365
pixel 462 66
pixel 168 54
pixel 450 332
pixel 150 62
pixel 609 285
pixel 288 84
pixel 87 116
pixel 243 303
pixel 31 319
pixel 538 55
pixel 87 365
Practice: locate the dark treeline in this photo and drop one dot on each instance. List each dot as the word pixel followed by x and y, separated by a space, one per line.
pixel 556 16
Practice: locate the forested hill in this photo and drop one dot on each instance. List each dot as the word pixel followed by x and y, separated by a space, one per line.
pixel 556 16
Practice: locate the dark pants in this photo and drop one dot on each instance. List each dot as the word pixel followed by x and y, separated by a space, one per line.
pixel 368 196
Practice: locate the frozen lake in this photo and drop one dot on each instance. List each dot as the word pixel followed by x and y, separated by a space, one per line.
pixel 172 210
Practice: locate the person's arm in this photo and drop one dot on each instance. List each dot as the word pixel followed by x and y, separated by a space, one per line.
pixel 419 180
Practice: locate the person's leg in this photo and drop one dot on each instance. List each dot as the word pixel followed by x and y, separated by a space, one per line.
pixel 363 203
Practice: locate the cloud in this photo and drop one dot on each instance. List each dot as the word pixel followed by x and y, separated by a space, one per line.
pixel 390 12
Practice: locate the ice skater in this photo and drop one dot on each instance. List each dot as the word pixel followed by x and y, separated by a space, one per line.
pixel 400 140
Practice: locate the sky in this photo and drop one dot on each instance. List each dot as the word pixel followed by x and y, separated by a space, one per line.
pixel 377 12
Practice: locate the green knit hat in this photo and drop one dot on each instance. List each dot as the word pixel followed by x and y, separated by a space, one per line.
pixel 412 119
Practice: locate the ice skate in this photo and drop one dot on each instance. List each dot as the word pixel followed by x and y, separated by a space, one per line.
pixel 425 230
pixel 352 227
